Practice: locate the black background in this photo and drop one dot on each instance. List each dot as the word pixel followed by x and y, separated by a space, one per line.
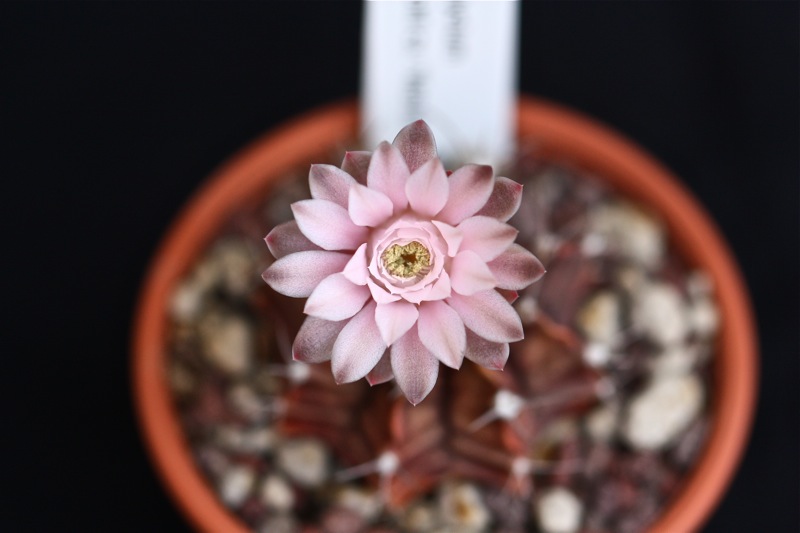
pixel 112 114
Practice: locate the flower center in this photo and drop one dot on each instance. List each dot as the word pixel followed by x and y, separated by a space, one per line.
pixel 407 260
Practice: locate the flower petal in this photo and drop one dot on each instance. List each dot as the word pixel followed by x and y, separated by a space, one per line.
pixel 516 268
pixel 328 182
pixel 314 341
pixel 442 332
pixel 489 315
pixel 382 371
pixel 297 274
pixel 356 164
pixel 286 238
pixel 388 173
pixel 379 294
pixel 416 143
pixel 487 237
pixel 415 368
pixel 356 268
pixel 427 188
pixel 504 201
pixel 336 298
pixel 328 225
pixel 394 319
pixel 452 236
pixel 441 289
pixel 358 348
pixel 469 274
pixel 489 354
pixel 470 188
pixel 368 207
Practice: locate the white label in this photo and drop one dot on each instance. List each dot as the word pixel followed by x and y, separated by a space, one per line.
pixel 452 64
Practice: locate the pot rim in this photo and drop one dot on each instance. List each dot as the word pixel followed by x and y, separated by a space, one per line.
pixel 615 159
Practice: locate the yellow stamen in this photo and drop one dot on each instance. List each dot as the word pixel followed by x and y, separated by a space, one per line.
pixel 406 261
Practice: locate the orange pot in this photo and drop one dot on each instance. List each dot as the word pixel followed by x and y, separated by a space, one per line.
pixel 558 131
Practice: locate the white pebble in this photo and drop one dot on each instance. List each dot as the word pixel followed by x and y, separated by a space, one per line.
pixel 365 503
pixel 674 361
pixel 255 441
pixel 235 485
pixel 305 461
pixel 279 523
pixel 593 244
pixel 276 493
pixel 559 511
pixel 187 300
pixel 420 518
pixel 704 317
pixel 258 440
pixel 602 422
pixel 461 506
pixel 659 312
pixel 547 244
pixel 247 403
pixel 229 342
pixel 599 317
pixel 658 414
pixel 630 278
pixel 561 429
pixel 630 231
pixel 236 266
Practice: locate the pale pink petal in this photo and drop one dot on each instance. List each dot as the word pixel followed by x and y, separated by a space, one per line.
pixel 470 188
pixel 452 236
pixel 297 274
pixel 379 294
pixel 336 298
pixel 358 348
pixel 356 268
pixel 382 371
pixel 487 237
pixel 442 332
pixel 516 268
pixel 286 238
pixel 368 207
pixel 486 353
pixel 504 201
pixel 441 289
pixel 328 182
pixel 394 319
pixel 416 143
pixel 438 290
pixel 314 341
pixel 489 315
pixel 469 274
pixel 388 173
pixel 356 164
pixel 415 368
pixel 427 188
pixel 328 225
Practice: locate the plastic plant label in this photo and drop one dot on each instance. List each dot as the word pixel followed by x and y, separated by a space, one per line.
pixel 453 64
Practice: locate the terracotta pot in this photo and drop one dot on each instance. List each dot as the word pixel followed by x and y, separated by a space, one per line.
pixel 556 130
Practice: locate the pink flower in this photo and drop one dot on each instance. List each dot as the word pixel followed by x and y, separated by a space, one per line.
pixel 400 264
